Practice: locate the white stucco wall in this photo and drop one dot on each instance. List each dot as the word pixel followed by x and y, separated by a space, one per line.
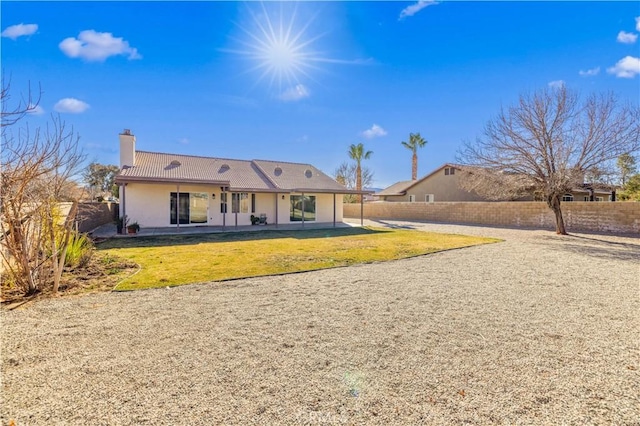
pixel 149 205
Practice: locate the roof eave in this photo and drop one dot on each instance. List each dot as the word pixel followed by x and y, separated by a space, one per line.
pixel 331 191
pixel 144 179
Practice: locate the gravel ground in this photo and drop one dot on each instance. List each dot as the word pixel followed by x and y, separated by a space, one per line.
pixel 539 329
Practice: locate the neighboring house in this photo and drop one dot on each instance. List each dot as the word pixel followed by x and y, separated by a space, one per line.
pixel 439 185
pixel 163 190
pixel 443 184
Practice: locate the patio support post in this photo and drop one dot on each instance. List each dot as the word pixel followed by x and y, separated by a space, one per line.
pixel 334 209
pixel 178 206
pixel 303 209
pixel 276 209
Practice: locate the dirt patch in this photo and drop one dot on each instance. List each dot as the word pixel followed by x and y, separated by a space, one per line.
pixel 102 273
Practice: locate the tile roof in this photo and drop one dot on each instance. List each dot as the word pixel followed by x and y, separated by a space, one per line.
pixel 398 188
pixel 257 175
pixel 297 176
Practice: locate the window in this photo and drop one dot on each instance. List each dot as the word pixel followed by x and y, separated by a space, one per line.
pixel 429 198
pixel 587 198
pixel 567 197
pixel 253 203
pixel 599 199
pixel 300 205
pixel 412 198
pixel 239 202
pixel 191 207
pixel 223 202
pixel 198 207
pixel 449 171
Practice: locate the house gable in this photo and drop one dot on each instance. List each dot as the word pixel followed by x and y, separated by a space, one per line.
pixel 442 184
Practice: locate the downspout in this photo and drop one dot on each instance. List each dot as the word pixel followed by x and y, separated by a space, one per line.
pixel 124 208
pixel 277 209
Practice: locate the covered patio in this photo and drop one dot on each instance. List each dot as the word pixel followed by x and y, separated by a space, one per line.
pixel 110 230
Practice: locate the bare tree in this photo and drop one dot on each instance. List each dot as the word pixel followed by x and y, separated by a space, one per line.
pixel 547 143
pixel 12 113
pixel 37 172
pixel 346 175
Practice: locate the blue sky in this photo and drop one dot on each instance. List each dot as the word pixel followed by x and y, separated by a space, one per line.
pixel 302 81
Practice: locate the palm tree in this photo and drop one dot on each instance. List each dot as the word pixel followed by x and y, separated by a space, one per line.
pixel 415 141
pixel 357 153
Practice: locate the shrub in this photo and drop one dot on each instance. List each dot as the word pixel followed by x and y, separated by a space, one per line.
pixel 79 251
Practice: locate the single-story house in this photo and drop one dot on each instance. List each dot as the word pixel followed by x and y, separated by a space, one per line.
pixel 443 184
pixel 165 190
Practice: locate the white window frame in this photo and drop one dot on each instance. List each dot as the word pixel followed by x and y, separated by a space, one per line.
pixel 567 197
pixel 429 198
pixel 412 198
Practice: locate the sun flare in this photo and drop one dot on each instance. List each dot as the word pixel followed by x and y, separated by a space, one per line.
pixel 280 46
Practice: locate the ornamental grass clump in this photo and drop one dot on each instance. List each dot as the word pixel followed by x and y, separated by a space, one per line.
pixel 79 251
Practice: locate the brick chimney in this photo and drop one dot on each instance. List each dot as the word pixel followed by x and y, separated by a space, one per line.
pixel 127 149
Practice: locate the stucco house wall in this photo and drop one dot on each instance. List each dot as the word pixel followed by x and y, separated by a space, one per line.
pixel 442 187
pixel 149 205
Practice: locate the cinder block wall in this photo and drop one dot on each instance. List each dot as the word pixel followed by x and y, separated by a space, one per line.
pixel 621 217
pixel 92 215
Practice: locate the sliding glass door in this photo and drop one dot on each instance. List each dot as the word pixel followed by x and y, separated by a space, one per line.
pixel 190 206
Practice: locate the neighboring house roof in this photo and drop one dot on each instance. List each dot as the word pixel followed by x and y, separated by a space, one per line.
pixel 256 175
pixel 401 188
pixel 398 188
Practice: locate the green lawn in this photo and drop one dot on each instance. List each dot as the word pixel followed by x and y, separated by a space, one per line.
pixel 184 259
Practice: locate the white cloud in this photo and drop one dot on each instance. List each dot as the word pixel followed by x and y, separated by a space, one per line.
pixel 183 141
pixel 296 93
pixel 415 8
pixel 94 46
pixel 15 31
pixel 638 23
pixel 71 105
pixel 590 72
pixel 374 132
pixel 627 67
pixel 627 38
pixel 36 109
pixel 556 84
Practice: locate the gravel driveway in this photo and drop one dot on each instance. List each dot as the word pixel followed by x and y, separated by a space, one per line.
pixel 539 329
